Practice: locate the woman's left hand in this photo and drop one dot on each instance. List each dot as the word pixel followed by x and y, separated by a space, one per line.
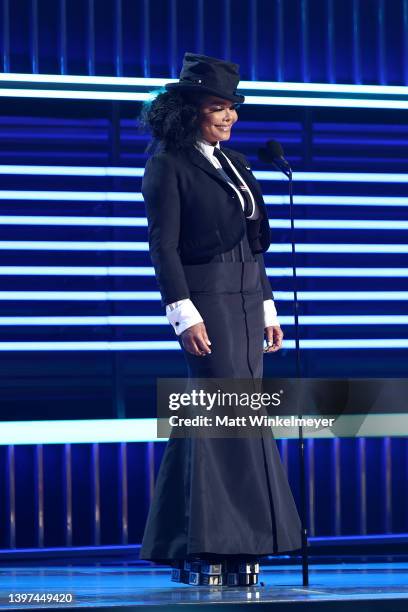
pixel 274 336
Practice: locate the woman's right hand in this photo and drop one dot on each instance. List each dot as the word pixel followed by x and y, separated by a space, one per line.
pixel 195 340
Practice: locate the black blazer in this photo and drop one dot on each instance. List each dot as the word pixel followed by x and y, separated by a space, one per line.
pixel 193 214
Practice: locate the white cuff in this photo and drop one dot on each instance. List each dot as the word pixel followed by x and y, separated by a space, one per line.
pixel 182 314
pixel 270 314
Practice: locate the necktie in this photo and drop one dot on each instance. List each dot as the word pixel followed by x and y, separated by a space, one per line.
pixel 248 205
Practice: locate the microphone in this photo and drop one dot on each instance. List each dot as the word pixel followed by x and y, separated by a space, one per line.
pixel 273 154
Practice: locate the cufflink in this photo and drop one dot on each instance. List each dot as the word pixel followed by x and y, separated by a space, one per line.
pixel 177 323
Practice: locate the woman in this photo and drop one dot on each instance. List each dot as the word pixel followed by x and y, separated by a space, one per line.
pixel 219 504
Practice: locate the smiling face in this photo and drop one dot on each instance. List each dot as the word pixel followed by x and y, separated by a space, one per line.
pixel 217 116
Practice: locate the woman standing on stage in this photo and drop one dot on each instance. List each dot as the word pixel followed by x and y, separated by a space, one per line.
pixel 216 501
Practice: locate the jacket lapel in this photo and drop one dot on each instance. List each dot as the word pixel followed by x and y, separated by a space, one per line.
pixel 200 160
pixel 243 169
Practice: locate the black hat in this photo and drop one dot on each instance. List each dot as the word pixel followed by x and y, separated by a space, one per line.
pixel 208 75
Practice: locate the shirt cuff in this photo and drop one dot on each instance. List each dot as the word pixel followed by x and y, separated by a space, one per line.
pixel 270 314
pixel 182 314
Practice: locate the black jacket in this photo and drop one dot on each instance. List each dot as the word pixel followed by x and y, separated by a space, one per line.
pixel 193 214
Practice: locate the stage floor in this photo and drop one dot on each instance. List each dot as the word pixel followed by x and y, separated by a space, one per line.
pixel 360 586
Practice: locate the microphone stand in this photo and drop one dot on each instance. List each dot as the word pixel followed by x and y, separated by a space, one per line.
pixel 282 164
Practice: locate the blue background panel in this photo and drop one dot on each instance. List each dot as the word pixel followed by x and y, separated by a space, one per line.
pixel 354 486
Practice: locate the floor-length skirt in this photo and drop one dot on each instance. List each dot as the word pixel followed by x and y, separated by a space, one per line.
pixel 223 496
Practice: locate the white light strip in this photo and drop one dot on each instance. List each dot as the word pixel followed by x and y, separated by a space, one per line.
pixel 72 79
pixel 338 248
pixel 97 296
pixel 92 345
pixel 103 171
pixel 85 320
pixel 60 245
pixel 362 296
pixel 273 273
pixel 347 319
pixel 337 272
pixel 78 432
pixel 74 221
pixel 72 196
pixel 335 224
pixel 331 224
pixel 295 100
pixel 123 196
pixel 76 271
pixel 326 102
pixel 155 295
pixel 162 320
pixel 265 175
pixel 69 94
pixel 329 200
pixel 99 431
pixel 326 87
pixel 170 345
pixel 124 96
pixel 335 177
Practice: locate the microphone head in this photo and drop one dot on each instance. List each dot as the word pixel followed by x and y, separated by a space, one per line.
pixel 272 151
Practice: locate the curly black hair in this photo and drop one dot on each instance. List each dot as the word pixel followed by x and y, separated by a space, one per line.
pixel 172 118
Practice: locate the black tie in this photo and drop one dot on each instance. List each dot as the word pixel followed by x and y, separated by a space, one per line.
pixel 248 205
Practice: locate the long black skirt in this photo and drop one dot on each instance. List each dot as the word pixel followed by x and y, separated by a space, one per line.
pixel 223 496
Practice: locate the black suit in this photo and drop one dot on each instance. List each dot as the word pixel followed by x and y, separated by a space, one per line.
pixel 193 214
pixel 215 496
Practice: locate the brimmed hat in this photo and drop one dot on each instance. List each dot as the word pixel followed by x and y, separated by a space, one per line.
pixel 208 75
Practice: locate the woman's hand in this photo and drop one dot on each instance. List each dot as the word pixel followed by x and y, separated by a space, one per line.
pixel 195 340
pixel 274 336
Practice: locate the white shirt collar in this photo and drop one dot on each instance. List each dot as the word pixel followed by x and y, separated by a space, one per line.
pixel 205 147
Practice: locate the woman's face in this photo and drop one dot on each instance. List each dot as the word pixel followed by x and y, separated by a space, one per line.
pixel 217 116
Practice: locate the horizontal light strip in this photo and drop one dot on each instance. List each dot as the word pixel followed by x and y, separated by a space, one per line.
pixel 97 296
pixel 77 271
pixel 67 94
pixel 73 79
pixel 265 175
pixel 335 224
pixel 338 248
pixel 336 177
pixel 329 272
pixel 329 200
pixel 103 171
pixel 155 295
pixel 94 431
pixel 347 320
pixel 60 245
pixel 72 196
pixel 170 345
pixel 149 271
pixel 123 96
pixel 326 102
pixel 77 432
pixel 331 224
pixel 85 221
pixel 326 87
pixel 85 320
pixel 162 320
pixel 56 245
pixel 160 82
pixel 124 196
pixel 15 85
